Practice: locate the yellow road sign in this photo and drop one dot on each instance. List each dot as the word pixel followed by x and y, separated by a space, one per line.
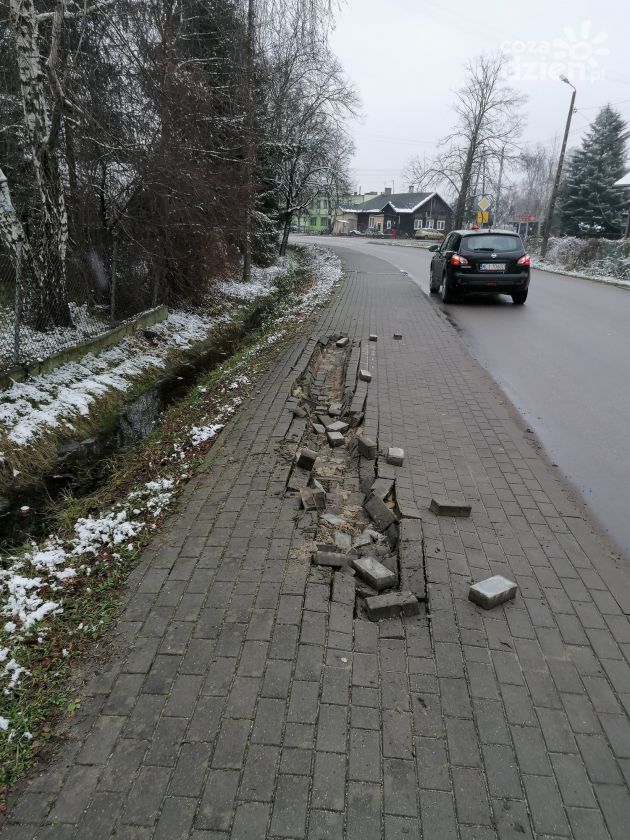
pixel 484 203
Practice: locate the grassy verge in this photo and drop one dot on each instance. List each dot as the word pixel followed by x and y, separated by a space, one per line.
pixel 50 652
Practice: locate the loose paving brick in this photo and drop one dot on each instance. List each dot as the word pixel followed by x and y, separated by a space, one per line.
pixel 378 511
pixel 248 697
pixel 395 456
pixel 492 591
pixel 338 426
pixel 392 605
pixel 306 458
pixel 374 573
pixel 367 446
pixel 450 506
pixel 331 558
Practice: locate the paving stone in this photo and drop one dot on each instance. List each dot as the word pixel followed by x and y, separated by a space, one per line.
pixel 395 456
pixel 492 591
pixel 335 439
pixel 338 426
pixel 343 541
pixel 218 802
pixel 378 511
pixel 365 375
pixel 397 336
pixel 342 342
pixel 399 787
pixel 545 806
pixel 306 459
pixel 367 446
pixel 374 573
pixel 289 808
pixel 313 499
pixel 451 506
pixel 329 782
pixel 146 795
pixel 438 815
pixel 331 558
pixel 382 487
pixel 373 337
pixel 335 409
pixel 391 605
pixel 364 811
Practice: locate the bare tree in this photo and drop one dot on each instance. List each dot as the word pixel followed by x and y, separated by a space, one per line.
pixel 488 126
pixel 532 189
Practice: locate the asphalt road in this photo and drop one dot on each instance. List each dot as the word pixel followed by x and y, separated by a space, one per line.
pixel 563 359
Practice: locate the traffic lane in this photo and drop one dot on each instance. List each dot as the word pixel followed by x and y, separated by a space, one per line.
pixel 562 361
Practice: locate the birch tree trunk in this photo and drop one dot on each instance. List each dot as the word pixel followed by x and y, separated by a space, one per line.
pixel 42 130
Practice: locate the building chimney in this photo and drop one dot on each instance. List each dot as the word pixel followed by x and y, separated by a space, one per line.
pixel 388 190
pixel 412 188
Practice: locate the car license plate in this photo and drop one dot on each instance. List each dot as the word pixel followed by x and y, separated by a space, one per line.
pixel 492 267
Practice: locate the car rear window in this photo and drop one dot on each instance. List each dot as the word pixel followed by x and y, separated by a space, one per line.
pixel 498 242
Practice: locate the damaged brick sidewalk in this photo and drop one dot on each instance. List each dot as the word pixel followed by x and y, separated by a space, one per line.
pixel 254 695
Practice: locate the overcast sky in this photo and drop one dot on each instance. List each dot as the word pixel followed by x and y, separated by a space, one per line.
pixel 406 56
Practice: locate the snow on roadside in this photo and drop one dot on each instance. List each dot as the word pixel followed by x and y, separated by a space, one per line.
pixel 52 399
pixel 556 268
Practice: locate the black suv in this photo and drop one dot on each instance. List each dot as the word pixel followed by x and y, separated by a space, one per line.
pixel 480 262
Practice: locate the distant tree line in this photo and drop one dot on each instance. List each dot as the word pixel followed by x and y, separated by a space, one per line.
pixel 192 130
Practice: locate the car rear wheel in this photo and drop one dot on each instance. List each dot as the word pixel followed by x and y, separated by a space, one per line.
pixel 447 292
pixel 519 298
pixel 434 287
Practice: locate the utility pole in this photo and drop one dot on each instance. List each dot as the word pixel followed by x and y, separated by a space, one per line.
pixel 556 183
pixel 497 203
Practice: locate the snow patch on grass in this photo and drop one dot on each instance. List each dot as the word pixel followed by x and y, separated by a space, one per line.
pixel 263 281
pixel 53 399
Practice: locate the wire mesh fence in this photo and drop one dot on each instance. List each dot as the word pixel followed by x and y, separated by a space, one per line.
pixel 48 304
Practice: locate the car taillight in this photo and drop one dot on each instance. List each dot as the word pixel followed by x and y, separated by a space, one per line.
pixel 457 259
pixel 524 260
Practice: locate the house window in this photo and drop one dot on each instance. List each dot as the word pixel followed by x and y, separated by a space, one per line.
pixel 440 224
pixel 371 223
pixel 429 223
pixel 417 224
pixel 312 221
pixel 389 224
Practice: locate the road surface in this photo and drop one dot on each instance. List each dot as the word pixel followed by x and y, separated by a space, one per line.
pixel 563 359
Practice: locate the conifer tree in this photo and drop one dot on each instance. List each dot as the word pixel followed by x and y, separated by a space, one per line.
pixel 590 204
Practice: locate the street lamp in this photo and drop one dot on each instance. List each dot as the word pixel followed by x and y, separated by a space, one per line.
pixel 556 183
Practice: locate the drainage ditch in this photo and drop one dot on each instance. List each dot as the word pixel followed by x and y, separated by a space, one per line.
pixel 83 465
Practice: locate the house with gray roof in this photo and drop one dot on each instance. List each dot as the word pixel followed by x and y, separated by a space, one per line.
pixel 402 214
